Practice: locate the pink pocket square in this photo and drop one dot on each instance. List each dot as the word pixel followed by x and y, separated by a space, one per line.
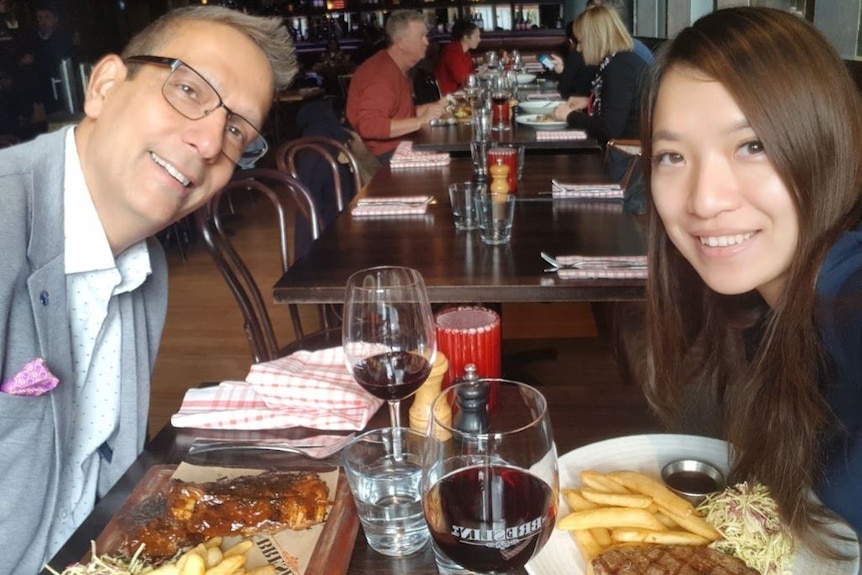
pixel 34 379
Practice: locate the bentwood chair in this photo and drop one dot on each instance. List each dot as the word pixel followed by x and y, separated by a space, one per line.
pixel 290 200
pixel 303 158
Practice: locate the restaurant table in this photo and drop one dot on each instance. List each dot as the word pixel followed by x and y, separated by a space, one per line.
pixel 457 137
pixel 456 265
pixel 575 423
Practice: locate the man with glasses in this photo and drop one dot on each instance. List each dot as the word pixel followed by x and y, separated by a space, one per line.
pixel 83 285
pixel 380 98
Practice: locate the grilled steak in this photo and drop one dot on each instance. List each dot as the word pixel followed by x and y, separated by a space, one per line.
pixel 668 560
pixel 190 513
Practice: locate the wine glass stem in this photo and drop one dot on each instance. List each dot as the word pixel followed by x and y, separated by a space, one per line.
pixel 395 421
pixel 395 412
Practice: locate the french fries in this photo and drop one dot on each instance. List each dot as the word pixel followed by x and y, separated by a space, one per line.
pixel 209 559
pixel 626 508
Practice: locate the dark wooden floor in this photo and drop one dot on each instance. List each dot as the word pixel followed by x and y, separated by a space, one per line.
pixel 547 344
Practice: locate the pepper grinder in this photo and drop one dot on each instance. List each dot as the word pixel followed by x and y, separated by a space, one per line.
pixel 472 402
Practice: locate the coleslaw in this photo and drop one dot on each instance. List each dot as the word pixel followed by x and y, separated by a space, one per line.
pixel 747 518
pixel 106 565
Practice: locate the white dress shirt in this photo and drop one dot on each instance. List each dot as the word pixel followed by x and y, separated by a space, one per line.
pixel 93 278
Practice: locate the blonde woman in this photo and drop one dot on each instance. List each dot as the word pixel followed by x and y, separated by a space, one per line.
pixel 612 109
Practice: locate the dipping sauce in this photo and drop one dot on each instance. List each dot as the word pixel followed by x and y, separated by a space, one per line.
pixel 692 479
pixel 691 482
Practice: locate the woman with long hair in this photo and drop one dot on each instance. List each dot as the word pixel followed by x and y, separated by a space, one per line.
pixel 752 136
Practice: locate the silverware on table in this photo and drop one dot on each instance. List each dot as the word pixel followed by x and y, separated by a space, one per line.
pixel 592 264
pixel 409 203
pixel 309 448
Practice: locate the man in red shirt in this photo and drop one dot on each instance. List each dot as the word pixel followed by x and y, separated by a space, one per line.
pixel 455 63
pixel 380 98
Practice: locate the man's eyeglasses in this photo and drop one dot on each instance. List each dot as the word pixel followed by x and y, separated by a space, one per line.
pixel 192 96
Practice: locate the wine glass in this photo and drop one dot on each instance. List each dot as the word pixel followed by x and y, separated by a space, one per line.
pixel 388 333
pixel 490 482
pixel 501 110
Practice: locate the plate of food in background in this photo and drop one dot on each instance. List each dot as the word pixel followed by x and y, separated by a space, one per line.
pixel 646 455
pixel 541 121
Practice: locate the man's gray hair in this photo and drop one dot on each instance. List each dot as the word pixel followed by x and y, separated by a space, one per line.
pixel 269 33
pixel 399 20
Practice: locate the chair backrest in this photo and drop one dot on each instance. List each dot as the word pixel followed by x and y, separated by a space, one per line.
pixel 623 159
pixel 333 153
pixel 282 191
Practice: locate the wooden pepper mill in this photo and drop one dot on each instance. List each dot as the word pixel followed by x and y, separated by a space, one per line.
pixel 421 409
pixel 499 181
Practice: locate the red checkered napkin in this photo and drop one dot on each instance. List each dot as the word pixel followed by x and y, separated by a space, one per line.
pixel 561 135
pixel 405 157
pixel 305 389
pixel 596 270
pixel 587 191
pixel 392 206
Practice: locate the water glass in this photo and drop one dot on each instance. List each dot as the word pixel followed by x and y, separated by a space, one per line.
pixel 496 212
pixel 481 124
pixel 384 470
pixel 463 206
pixel 479 153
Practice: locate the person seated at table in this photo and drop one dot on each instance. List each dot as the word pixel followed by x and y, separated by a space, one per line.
pixel 455 63
pixel 83 286
pixel 755 282
pixel 612 108
pixel 575 76
pixel 380 98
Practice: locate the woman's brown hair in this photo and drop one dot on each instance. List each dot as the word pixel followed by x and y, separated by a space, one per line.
pixel 757 371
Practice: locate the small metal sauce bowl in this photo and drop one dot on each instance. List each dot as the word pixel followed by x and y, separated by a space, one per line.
pixel 692 479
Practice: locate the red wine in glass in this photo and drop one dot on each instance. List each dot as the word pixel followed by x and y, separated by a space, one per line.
pixel 490 518
pixel 392 375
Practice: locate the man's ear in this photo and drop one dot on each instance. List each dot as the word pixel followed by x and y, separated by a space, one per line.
pixel 108 73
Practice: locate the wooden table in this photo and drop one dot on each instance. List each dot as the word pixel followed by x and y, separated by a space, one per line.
pixel 457 137
pixel 456 265
pixel 582 411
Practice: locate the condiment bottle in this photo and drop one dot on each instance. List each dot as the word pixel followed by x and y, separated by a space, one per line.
pixel 421 409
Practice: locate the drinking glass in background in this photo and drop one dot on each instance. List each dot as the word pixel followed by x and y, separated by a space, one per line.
pixel 496 215
pixel 383 468
pixel 501 109
pixel 469 334
pixel 480 124
pixel 490 495
pixel 491 59
pixel 388 333
pixel 511 156
pixel 463 208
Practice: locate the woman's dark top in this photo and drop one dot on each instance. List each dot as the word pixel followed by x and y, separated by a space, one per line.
pixel 616 99
pixel 839 299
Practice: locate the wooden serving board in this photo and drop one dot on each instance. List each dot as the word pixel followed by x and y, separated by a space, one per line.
pixel 331 553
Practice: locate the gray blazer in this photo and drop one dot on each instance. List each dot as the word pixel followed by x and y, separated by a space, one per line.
pixel 34 322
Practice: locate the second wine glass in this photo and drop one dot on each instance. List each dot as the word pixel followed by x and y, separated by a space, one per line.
pixel 388 333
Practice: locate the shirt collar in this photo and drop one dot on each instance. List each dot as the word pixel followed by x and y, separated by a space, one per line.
pixel 86 245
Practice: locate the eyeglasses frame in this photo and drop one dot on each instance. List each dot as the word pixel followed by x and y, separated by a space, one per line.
pixel 176 63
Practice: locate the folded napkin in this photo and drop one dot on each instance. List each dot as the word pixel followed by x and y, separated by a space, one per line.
pixel 392 206
pixel 588 191
pixel 305 389
pixel 560 134
pixel 405 157
pixel 602 267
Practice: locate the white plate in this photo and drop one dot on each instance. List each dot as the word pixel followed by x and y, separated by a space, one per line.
pixel 530 120
pixel 539 106
pixel 525 78
pixel 648 454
